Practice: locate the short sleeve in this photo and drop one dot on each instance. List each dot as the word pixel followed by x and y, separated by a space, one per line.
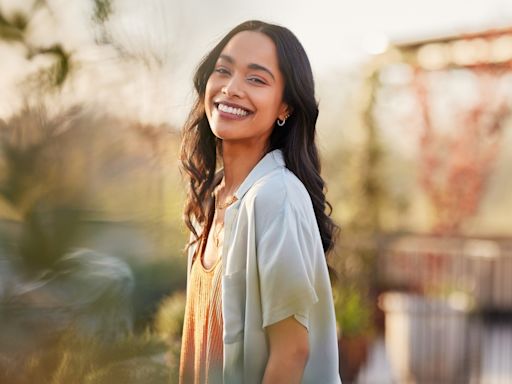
pixel 285 252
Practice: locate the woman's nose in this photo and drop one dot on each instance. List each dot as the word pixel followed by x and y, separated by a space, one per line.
pixel 233 88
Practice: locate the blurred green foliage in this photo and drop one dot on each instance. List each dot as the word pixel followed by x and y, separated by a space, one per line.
pixel 14 28
pixel 154 281
pixel 69 180
pixel 169 317
pixel 168 324
pixel 78 360
pixel 353 314
pixel 102 11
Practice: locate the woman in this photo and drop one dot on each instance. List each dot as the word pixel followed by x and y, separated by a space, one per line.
pixel 259 303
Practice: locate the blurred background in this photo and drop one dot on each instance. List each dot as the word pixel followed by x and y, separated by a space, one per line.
pixel 415 133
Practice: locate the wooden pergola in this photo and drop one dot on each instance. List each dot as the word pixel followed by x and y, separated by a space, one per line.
pixel 454 167
pixel 490 48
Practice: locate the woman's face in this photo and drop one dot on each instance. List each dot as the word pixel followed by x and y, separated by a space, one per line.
pixel 244 93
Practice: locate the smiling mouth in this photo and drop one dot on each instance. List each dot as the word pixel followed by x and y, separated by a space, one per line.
pixel 234 111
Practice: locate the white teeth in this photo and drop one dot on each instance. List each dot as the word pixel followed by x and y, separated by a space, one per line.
pixel 231 110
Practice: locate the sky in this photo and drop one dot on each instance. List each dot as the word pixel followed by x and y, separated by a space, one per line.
pixel 337 36
pixel 334 32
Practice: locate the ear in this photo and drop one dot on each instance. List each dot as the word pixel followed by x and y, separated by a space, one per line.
pixel 284 111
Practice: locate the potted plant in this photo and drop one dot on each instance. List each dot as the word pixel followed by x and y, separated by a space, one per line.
pixel 354 315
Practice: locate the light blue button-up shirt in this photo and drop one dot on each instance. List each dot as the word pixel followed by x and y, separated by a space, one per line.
pixel 274 267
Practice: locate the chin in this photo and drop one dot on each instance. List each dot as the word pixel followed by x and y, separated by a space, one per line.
pixel 225 131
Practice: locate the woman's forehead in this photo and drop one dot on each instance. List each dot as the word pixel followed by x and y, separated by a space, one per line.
pixel 250 47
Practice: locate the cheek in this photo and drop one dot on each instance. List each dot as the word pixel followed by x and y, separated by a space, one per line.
pixel 269 104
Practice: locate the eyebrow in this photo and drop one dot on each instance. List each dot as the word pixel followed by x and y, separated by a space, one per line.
pixel 255 66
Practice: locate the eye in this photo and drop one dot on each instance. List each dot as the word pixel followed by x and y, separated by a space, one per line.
pixel 222 71
pixel 256 80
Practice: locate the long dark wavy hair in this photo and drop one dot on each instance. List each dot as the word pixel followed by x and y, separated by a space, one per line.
pixel 201 149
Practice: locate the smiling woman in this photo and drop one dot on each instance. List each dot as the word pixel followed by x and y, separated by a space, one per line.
pixel 259 301
pixel 247 86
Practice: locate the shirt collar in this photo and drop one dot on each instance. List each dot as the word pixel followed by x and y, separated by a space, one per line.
pixel 267 164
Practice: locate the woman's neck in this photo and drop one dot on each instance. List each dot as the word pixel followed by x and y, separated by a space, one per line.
pixel 238 162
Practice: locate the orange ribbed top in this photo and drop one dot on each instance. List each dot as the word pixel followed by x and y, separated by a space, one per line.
pixel 202 345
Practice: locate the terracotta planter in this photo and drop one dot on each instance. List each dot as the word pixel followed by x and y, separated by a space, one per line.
pixel 353 352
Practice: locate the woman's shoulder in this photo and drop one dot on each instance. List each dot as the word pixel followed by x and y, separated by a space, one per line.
pixel 278 191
